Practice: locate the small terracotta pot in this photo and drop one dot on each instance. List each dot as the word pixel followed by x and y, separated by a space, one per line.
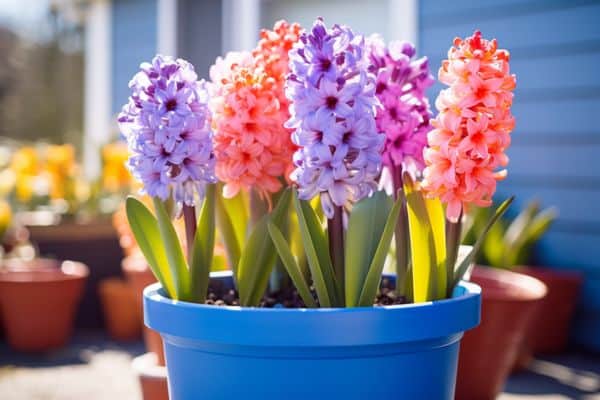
pixel 153 377
pixel 487 353
pixel 121 313
pixel 549 331
pixel 15 264
pixel 139 276
pixel 38 305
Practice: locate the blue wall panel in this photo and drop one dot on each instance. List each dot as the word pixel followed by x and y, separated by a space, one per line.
pixel 133 40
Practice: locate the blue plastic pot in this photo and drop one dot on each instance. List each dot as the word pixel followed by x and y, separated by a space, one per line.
pixel 399 352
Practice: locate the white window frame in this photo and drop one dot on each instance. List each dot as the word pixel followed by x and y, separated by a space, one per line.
pixel 97 87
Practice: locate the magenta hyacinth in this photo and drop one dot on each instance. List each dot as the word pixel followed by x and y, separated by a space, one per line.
pixel 405 113
pixel 333 104
pixel 167 126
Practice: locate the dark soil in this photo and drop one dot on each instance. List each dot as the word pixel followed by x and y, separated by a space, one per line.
pixel 220 295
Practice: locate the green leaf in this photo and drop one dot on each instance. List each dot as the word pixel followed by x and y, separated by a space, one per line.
pixel 317 254
pixel 237 209
pixel 538 225
pixel 203 250
pixel 228 234
pixel 518 226
pixel 373 277
pixel 493 249
pixel 259 255
pixel 172 246
pixel 468 260
pixel 145 229
pixel 437 221
pixel 290 264
pixel 422 244
pixel 365 227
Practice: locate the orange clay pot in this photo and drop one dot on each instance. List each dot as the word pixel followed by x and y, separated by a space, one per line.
pixel 38 305
pixel 487 353
pixel 139 276
pixel 15 264
pixel 153 377
pixel 121 313
pixel 549 331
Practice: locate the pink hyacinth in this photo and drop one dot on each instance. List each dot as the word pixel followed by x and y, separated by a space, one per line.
pixel 405 113
pixel 252 147
pixel 472 129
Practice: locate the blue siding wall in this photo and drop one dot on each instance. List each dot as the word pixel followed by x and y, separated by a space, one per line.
pixel 555 156
pixel 133 41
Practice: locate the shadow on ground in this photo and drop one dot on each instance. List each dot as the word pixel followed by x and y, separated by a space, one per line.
pixel 78 351
pixel 574 375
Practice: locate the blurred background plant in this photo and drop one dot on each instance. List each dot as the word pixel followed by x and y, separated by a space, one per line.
pixel 46 177
pixel 510 242
pixel 42 177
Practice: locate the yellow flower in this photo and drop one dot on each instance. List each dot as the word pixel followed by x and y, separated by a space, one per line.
pixel 115 175
pixel 60 159
pixel 25 161
pixel 5 217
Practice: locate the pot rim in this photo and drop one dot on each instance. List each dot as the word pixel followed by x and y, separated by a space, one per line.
pixel 574 276
pixel 68 270
pixel 525 288
pixel 256 326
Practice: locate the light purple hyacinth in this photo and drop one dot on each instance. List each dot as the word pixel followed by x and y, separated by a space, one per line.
pixel 405 115
pixel 167 126
pixel 332 110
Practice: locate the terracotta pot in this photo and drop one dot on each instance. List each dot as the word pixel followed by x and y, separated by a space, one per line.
pixel 139 276
pixel 549 331
pixel 15 264
pixel 153 377
pixel 94 243
pixel 121 313
pixel 38 305
pixel 488 352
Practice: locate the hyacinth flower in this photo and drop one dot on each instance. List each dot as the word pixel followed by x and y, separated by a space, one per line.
pixel 404 117
pixel 466 148
pixel 332 106
pixel 253 149
pixel 166 123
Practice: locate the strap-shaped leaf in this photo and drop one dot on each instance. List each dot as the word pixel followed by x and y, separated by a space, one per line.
pixel 365 227
pixel 147 235
pixel 290 264
pixel 175 257
pixel 468 260
pixel 317 254
pixel 538 225
pixel 237 209
pixel 422 245
pixel 259 255
pixel 204 245
pixel 373 278
pixel 437 221
pixel 228 234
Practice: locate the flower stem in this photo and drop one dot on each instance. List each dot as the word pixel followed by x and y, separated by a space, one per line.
pixel 189 219
pixel 335 230
pixel 453 236
pixel 258 208
pixel 401 235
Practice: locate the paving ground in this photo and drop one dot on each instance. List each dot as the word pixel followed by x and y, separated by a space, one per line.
pixel 94 368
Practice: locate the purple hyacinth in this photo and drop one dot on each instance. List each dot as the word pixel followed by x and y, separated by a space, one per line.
pixel 167 126
pixel 405 115
pixel 332 110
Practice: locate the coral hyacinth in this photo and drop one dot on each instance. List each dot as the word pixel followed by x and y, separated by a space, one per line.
pixel 252 147
pixel 472 131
